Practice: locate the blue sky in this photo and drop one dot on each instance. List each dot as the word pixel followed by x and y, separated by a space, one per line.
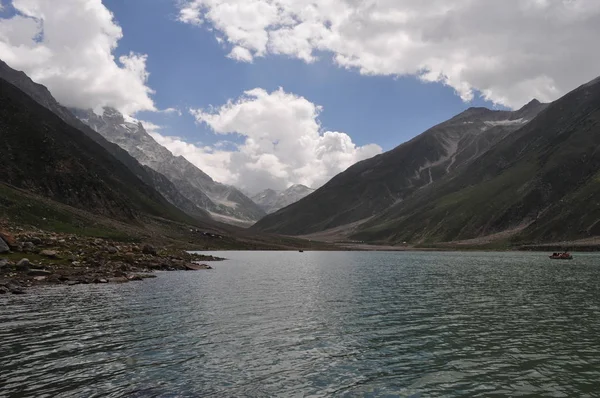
pixel 189 68
pixel 277 92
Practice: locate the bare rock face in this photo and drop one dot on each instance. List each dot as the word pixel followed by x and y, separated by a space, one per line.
pixel 271 201
pixel 224 203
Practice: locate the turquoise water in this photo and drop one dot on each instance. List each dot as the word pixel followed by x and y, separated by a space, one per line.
pixel 315 324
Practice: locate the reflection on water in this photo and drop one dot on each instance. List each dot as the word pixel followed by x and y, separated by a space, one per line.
pixel 319 324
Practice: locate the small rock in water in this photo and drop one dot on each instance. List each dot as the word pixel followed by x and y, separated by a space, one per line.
pixel 39 278
pixel 14 288
pixel 197 267
pixel 49 253
pixel 135 278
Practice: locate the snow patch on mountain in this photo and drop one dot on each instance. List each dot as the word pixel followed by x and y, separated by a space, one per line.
pixel 506 122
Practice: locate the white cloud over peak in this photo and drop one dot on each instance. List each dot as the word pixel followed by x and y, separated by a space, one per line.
pixel 70 43
pixel 283 143
pixel 511 51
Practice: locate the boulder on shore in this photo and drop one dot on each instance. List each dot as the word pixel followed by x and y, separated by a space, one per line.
pixel 4 246
pixel 148 249
pixel 23 265
pixel 9 239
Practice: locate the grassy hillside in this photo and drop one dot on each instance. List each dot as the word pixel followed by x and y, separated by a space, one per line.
pixel 371 186
pixel 541 181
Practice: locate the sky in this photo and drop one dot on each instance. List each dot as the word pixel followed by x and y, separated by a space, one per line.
pixel 268 93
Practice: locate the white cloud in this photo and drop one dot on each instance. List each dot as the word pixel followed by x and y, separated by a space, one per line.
pixel 283 143
pixel 509 50
pixel 68 46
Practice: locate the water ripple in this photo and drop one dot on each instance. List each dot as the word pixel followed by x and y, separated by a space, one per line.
pixel 315 324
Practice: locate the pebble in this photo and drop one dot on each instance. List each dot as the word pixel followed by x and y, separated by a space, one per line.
pixel 49 253
pixel 23 265
pixel 39 272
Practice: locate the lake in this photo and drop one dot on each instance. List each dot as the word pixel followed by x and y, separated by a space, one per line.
pixel 315 324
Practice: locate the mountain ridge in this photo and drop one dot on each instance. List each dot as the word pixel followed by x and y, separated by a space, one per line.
pixel 223 202
pixel 45 155
pixel 271 200
pixel 541 182
pixel 42 96
pixel 370 186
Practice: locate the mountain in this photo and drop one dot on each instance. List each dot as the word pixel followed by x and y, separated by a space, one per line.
pixel 271 201
pixel 42 96
pixel 539 184
pixel 373 185
pixel 44 155
pixel 223 202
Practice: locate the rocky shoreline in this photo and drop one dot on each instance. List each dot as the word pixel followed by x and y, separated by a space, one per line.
pixel 36 258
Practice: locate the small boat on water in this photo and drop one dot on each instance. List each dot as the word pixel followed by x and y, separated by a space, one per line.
pixel 561 256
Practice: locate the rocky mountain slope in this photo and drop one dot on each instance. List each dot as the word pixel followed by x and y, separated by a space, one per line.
pixel 42 96
pixel 271 201
pixel 57 177
pixel 373 185
pixel 542 182
pixel 223 202
pixel 44 155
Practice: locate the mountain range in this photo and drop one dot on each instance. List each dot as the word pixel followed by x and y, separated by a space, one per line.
pixel 58 174
pixel 224 203
pixel 524 176
pixel 44 155
pixel 373 185
pixel 157 181
pixel 271 200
